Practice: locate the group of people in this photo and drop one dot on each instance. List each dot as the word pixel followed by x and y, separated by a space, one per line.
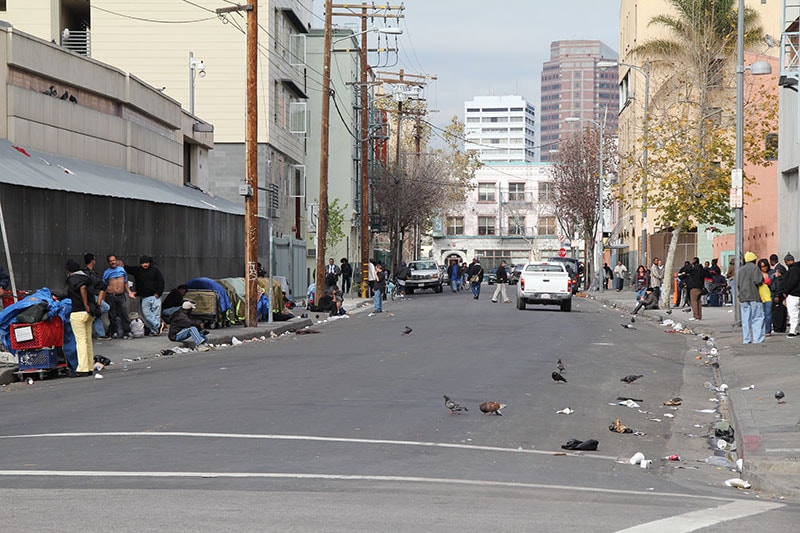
pixel 92 294
pixel 647 283
pixel 769 297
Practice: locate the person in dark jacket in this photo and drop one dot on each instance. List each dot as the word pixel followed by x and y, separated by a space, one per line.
pixel 347 274
pixel 79 291
pixel 790 286
pixel 501 279
pixel 98 294
pixel 379 287
pixel 182 326
pixel 778 304
pixel 173 302
pixel 475 277
pixel 649 301
pixel 149 288
pixel 695 280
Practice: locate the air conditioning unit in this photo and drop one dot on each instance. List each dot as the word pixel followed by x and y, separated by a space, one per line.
pixel 311 253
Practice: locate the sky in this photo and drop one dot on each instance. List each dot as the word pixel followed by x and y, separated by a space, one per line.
pixel 482 48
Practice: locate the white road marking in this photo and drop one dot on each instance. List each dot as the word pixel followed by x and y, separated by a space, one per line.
pixel 705 517
pixel 311 438
pixel 347 477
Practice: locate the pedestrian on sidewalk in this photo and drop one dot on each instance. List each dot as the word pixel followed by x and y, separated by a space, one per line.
pixel 79 291
pixel 98 294
pixel 620 271
pixel 748 281
pixel 347 274
pixel 378 288
pixel 791 289
pixel 608 275
pixel 778 305
pixel 694 282
pixel 765 291
pixel 501 280
pixel 475 276
pixel 149 287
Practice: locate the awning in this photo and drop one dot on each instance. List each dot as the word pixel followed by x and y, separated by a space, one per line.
pixel 30 168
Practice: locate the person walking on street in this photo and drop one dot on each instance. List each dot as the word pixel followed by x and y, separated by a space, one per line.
pixel 455 276
pixel 79 291
pixel 347 274
pixel 748 281
pixel 475 276
pixel 620 271
pixel 694 282
pixel 501 280
pixel 791 289
pixel 378 288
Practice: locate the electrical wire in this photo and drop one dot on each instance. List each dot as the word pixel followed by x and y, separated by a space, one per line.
pixel 154 21
pixel 204 8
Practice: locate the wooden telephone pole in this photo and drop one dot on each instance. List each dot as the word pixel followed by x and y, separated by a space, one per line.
pixel 250 190
pixel 365 12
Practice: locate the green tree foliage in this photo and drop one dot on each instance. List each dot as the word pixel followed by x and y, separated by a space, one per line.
pixel 335 233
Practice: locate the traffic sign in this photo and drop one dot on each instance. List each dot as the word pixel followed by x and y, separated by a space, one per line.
pixel 562 252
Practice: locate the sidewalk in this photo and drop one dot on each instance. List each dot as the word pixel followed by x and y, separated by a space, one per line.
pixel 142 349
pixel 767 433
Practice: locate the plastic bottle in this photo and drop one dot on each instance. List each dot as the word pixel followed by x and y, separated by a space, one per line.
pixel 673 457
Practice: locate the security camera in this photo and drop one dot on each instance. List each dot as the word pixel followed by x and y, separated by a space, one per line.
pixel 201 73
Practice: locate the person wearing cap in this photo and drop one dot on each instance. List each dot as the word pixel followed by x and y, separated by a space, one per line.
pixel 791 288
pixel 748 279
pixel 80 291
pixel 149 287
pixel 182 326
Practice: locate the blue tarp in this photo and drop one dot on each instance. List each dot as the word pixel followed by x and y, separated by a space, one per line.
pixel 58 308
pixel 209 284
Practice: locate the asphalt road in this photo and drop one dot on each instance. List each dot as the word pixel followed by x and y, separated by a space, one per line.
pixel 346 430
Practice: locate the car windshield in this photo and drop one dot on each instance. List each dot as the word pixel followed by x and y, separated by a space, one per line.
pixel 544 268
pixel 424 265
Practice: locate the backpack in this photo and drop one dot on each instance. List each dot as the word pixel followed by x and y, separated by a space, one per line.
pixel 137 328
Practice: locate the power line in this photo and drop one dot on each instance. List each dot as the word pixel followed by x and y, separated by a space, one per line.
pixel 154 21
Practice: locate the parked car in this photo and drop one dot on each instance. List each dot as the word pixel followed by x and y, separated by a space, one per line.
pixel 572 265
pixel 493 275
pixel 424 274
pixel 516 272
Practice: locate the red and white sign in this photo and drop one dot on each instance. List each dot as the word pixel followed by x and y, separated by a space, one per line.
pixel 562 252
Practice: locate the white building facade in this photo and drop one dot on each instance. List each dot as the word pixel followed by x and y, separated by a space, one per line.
pixel 508 215
pixel 500 129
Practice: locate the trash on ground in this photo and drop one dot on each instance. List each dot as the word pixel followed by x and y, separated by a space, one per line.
pixel 738 482
pixel 673 457
pixel 584 445
pixel 619 427
pixel 237 342
pixel 629 403
pixel 565 411
pixel 706 411
pixel 674 401
pixel 722 462
pixel 751 387
pixel 636 458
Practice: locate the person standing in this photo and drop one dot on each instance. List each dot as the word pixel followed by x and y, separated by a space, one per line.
pixel 620 271
pixel 454 273
pixel 332 273
pixel 116 280
pixel 149 287
pixel 791 289
pixel 378 288
pixel 695 280
pixel 657 276
pixel 80 318
pixel 475 276
pixel 608 275
pixel 347 274
pixel 401 276
pixel 98 294
pixel 371 276
pixel 748 280
pixel 765 292
pixel 501 280
pixel 778 305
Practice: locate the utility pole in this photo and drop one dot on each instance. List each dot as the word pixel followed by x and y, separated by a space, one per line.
pixel 250 190
pixel 365 12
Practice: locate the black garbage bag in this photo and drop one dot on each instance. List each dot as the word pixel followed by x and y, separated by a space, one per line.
pixel 724 431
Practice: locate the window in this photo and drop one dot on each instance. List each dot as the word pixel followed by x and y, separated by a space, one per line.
pixel 545 191
pixel 297 49
pixel 547 225
pixel 297 117
pixel 516 192
pixel 455 225
pixel 771 146
pixel 486 226
pixel 486 192
pixel 516 225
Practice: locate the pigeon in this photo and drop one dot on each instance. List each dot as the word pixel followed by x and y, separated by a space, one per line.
pixel 453 406
pixel 560 365
pixel 631 378
pixel 407 330
pixel 673 402
pixel 669 311
pixel 633 320
pixel 627 326
pixel 779 395
pixel 72 99
pixel 65 95
pixel 51 91
pixel 492 407
pixel 558 377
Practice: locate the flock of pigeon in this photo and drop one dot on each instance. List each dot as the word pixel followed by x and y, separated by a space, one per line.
pixel 51 91
pixel 488 408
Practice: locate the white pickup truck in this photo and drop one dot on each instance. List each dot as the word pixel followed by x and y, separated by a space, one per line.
pixel 545 283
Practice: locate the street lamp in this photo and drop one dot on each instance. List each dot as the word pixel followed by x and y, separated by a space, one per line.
pixel 759 68
pixel 196 68
pixel 599 233
pixel 646 139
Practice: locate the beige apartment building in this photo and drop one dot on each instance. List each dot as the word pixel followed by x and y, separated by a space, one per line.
pixel 635 28
pixel 155 39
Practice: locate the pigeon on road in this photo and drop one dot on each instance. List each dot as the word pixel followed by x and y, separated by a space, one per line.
pixel 492 407
pixel 407 330
pixel 560 365
pixel 779 395
pixel 558 377
pixel 453 406
pixel 631 378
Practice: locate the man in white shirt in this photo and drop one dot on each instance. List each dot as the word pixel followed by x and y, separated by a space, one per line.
pixel 619 275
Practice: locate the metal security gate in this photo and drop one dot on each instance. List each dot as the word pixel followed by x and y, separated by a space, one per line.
pixel 290 261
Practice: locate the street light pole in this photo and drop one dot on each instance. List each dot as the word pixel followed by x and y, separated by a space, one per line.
pixel 738 170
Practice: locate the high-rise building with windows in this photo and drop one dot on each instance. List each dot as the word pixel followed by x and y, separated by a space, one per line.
pixel 500 129
pixel 574 86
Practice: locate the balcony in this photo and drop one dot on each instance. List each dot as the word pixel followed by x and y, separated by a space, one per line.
pixel 77 41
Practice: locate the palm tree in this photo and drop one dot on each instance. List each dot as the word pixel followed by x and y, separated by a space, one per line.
pixel 691 158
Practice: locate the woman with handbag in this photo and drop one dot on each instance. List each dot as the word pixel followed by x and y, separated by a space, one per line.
pixel 475 276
